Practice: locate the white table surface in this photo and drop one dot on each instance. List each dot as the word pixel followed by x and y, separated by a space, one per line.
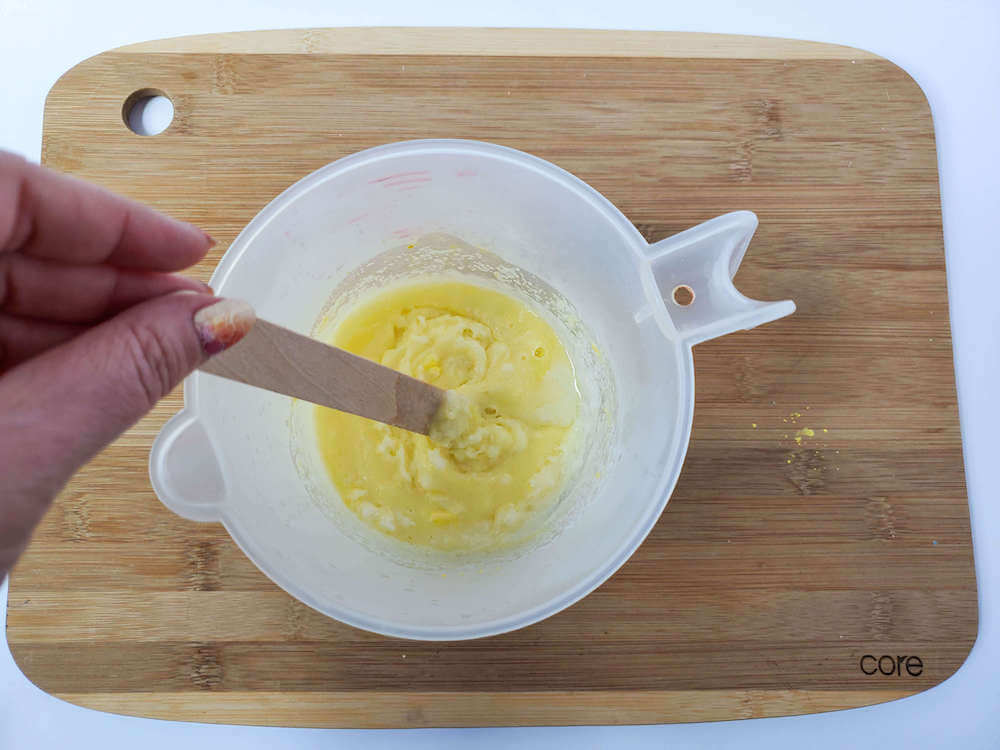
pixel 951 48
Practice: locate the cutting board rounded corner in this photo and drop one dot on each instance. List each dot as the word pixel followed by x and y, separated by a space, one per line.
pixel 21 661
pixel 907 80
pixel 968 647
pixel 67 87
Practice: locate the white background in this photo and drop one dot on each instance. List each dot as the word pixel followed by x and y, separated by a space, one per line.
pixel 952 49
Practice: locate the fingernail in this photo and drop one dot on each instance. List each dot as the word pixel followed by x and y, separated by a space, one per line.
pixel 223 324
pixel 212 242
pixel 203 288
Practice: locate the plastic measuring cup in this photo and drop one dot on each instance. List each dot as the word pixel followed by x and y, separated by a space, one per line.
pixel 243 457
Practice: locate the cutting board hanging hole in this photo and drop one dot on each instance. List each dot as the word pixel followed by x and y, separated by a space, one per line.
pixel 148 112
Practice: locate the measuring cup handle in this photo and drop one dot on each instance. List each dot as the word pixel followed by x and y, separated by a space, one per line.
pixel 184 470
pixel 694 272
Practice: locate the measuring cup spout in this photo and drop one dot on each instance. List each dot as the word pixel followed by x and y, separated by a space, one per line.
pixel 184 469
pixel 694 273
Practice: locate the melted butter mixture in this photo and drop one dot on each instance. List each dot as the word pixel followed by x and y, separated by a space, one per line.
pixel 499 446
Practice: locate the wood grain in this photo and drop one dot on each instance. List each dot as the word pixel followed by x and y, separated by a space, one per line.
pixel 411 709
pixel 778 564
pixel 286 362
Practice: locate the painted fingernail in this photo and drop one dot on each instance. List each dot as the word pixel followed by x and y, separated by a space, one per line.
pixel 223 324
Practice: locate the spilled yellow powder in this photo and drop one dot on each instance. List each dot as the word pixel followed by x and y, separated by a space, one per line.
pixel 804 432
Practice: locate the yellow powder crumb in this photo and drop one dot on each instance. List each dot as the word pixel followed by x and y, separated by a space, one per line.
pixel 798 440
pixel 754 425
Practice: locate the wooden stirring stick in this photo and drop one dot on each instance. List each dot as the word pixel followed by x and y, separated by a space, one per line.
pixel 283 361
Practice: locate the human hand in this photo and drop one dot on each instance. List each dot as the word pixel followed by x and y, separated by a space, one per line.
pixel 94 329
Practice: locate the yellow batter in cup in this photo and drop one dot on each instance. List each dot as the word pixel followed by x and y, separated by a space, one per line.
pixel 500 447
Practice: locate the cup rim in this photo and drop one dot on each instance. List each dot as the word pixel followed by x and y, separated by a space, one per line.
pixel 661 492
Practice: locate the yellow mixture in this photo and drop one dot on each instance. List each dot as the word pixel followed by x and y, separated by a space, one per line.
pixel 501 444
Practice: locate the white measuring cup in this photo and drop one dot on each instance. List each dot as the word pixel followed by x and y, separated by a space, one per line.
pixel 231 455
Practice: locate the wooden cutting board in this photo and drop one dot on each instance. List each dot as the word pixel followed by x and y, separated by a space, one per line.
pixel 816 553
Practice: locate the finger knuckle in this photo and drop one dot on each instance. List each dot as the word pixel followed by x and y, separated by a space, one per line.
pixel 17 225
pixel 151 361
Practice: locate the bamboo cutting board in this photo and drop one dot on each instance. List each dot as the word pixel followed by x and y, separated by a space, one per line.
pixel 816 553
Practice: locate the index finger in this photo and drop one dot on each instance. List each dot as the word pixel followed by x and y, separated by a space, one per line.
pixel 49 215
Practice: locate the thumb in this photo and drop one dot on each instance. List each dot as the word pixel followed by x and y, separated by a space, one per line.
pixel 70 402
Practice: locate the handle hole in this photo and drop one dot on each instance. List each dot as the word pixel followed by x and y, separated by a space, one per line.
pixel 147 112
pixel 683 295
